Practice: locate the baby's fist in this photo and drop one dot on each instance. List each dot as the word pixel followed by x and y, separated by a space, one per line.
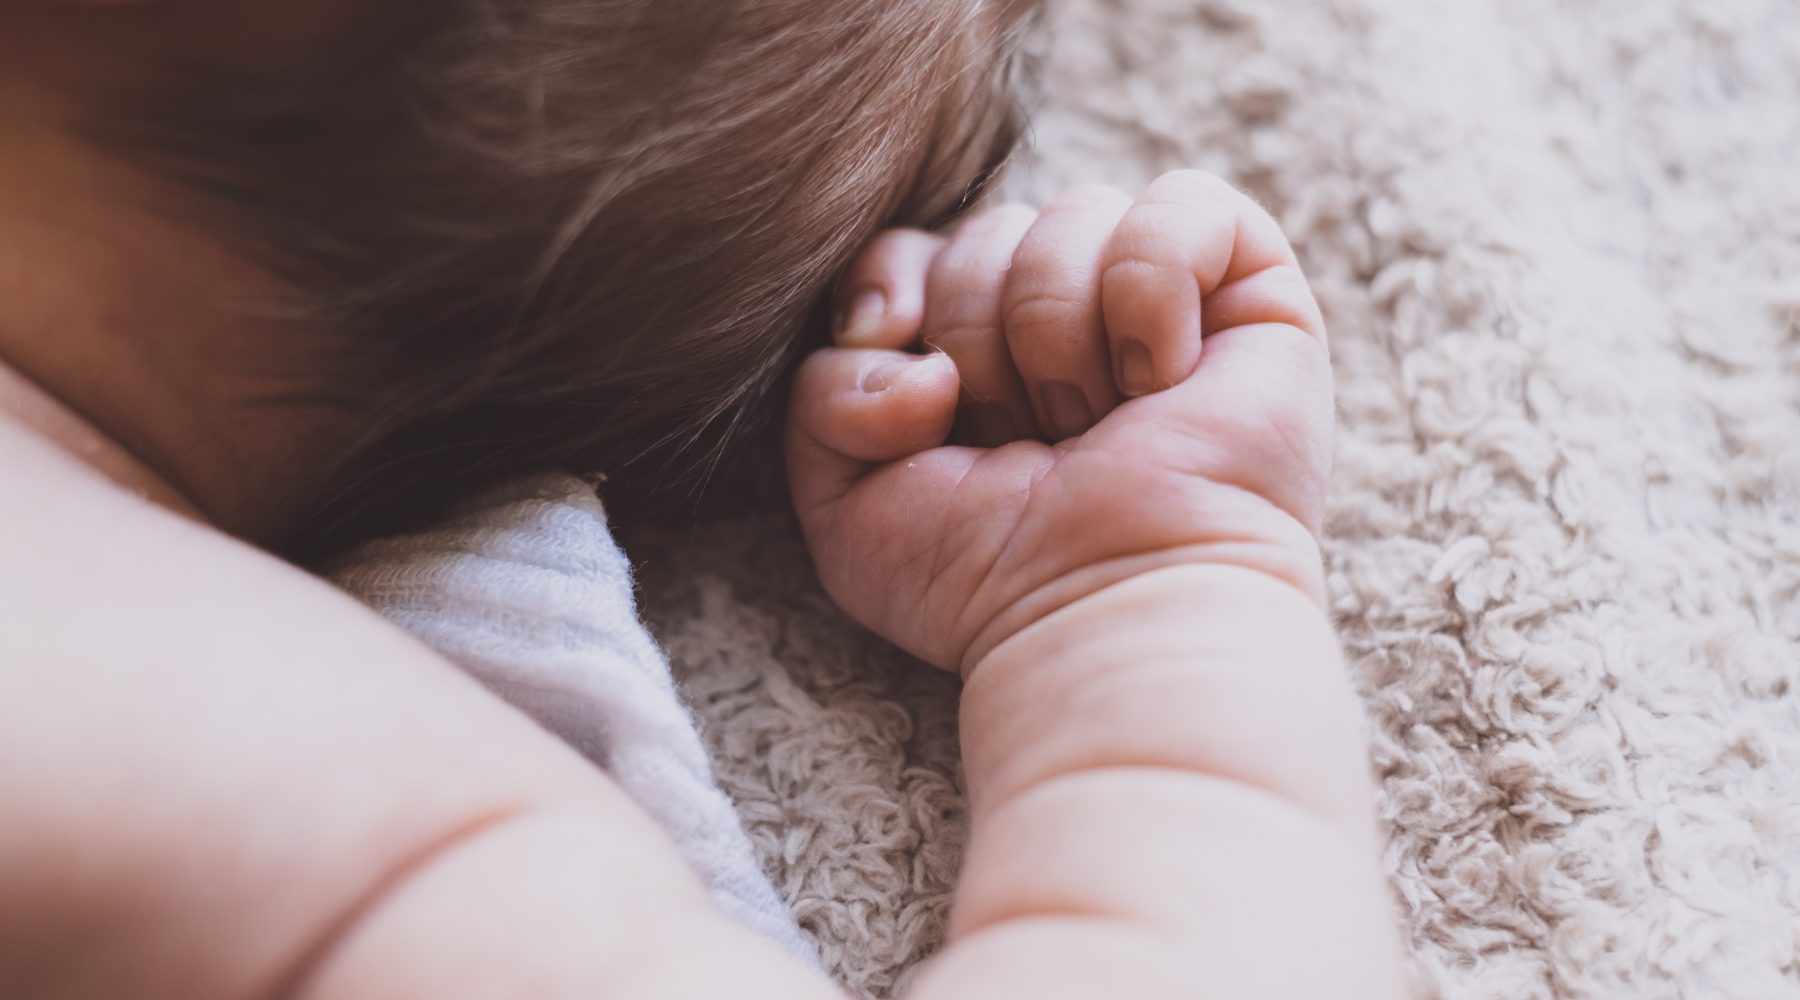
pixel 1131 385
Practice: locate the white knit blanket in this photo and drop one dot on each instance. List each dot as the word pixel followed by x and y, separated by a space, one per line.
pixel 524 588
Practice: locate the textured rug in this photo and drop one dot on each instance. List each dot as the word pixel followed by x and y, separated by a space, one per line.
pixel 1559 246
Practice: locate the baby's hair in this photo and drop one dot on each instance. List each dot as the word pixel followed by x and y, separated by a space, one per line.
pixel 588 234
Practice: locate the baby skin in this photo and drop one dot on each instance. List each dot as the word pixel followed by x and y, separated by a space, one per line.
pixel 1168 788
pixel 1168 785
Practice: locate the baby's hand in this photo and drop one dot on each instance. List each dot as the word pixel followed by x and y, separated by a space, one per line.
pixel 1130 386
pixel 1163 757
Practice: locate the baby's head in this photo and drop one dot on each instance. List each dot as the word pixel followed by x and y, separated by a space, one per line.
pixel 581 233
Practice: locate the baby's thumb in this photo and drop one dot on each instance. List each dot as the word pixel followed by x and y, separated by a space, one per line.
pixel 854 409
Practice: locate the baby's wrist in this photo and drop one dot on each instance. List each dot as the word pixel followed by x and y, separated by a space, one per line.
pixel 1218 669
pixel 1281 551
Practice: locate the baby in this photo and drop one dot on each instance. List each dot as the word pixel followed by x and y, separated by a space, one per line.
pixel 1077 456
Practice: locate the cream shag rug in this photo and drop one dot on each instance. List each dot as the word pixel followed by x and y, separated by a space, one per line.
pixel 1559 245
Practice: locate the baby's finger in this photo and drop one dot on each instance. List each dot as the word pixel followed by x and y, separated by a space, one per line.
pixel 1186 236
pixel 962 319
pixel 1052 311
pixel 1277 295
pixel 880 301
pixel 852 409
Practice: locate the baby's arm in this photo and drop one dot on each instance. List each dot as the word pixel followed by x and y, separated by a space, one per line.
pixel 220 778
pixel 1168 785
pixel 1166 779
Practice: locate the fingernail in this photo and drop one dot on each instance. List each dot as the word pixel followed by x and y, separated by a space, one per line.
pixel 878 378
pixel 988 425
pixel 1068 410
pixel 881 376
pixel 863 316
pixel 1137 373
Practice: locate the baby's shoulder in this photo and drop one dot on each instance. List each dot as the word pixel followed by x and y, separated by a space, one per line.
pixel 96 563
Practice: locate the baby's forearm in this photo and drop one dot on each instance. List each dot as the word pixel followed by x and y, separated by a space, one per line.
pixel 1170 797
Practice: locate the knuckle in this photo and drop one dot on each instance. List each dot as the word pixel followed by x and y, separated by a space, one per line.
pixel 987 223
pixel 964 295
pixel 1045 267
pixel 1187 184
pixel 1149 244
pixel 960 336
pixel 1136 268
pixel 979 252
pixel 1012 211
pixel 1197 194
pixel 958 280
pixel 1088 198
pixel 1037 315
pixel 1168 232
